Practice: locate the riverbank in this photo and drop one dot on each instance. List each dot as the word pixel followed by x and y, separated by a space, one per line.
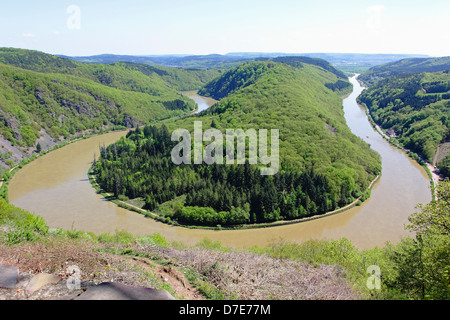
pixel 429 168
pixel 9 175
pixel 202 102
pixel 434 177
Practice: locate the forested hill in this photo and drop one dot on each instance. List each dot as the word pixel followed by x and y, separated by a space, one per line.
pixel 414 107
pixel 410 65
pixel 42 95
pixel 182 79
pixel 248 73
pixel 297 61
pixel 323 166
pixel 121 75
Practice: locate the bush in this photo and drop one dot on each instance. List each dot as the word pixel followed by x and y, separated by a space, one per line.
pixel 23 225
pixel 154 239
pixel 209 217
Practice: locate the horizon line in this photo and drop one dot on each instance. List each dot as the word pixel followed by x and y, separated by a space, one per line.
pixel 237 53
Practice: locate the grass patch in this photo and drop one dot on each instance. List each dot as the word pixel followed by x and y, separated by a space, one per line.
pixel 208 290
pixel 168 208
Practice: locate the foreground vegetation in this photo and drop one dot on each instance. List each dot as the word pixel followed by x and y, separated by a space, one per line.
pixel 415 268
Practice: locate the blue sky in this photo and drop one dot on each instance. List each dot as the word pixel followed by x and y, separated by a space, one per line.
pixel 139 27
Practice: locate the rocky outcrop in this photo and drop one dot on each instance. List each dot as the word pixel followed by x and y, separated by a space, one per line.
pixel 130 122
pixel 43 286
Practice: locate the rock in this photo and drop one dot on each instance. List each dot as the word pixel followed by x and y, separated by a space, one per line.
pixel 8 276
pixel 71 296
pixel 60 291
pixel 50 286
pixel 130 122
pixel 40 280
pixel 120 291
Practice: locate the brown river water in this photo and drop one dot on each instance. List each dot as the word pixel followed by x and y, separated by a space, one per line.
pixel 56 187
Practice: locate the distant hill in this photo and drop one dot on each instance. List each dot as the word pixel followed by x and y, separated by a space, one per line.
pixel 178 61
pixel 182 79
pixel 248 73
pixel 411 65
pixel 344 61
pixel 297 61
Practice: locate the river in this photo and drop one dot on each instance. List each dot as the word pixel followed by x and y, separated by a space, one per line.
pixel 203 103
pixel 56 187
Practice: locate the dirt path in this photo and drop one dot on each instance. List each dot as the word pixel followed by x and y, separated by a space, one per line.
pixel 436 155
pixel 434 176
pixel 104 193
pixel 2 180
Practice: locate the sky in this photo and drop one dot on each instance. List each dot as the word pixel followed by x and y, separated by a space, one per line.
pixel 138 27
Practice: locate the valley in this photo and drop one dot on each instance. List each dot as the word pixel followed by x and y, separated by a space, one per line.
pixel 377 220
pixel 225 152
pixel 361 193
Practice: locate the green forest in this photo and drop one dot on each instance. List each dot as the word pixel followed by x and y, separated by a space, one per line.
pixel 323 165
pixel 140 166
pixel 416 106
pixel 248 73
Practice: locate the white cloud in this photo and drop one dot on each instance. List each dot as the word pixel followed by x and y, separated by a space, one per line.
pixel 28 35
pixel 374 21
pixel 56 32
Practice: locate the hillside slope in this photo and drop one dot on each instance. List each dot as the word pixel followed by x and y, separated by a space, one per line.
pixel 42 95
pixel 123 75
pixel 415 107
pixel 248 73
